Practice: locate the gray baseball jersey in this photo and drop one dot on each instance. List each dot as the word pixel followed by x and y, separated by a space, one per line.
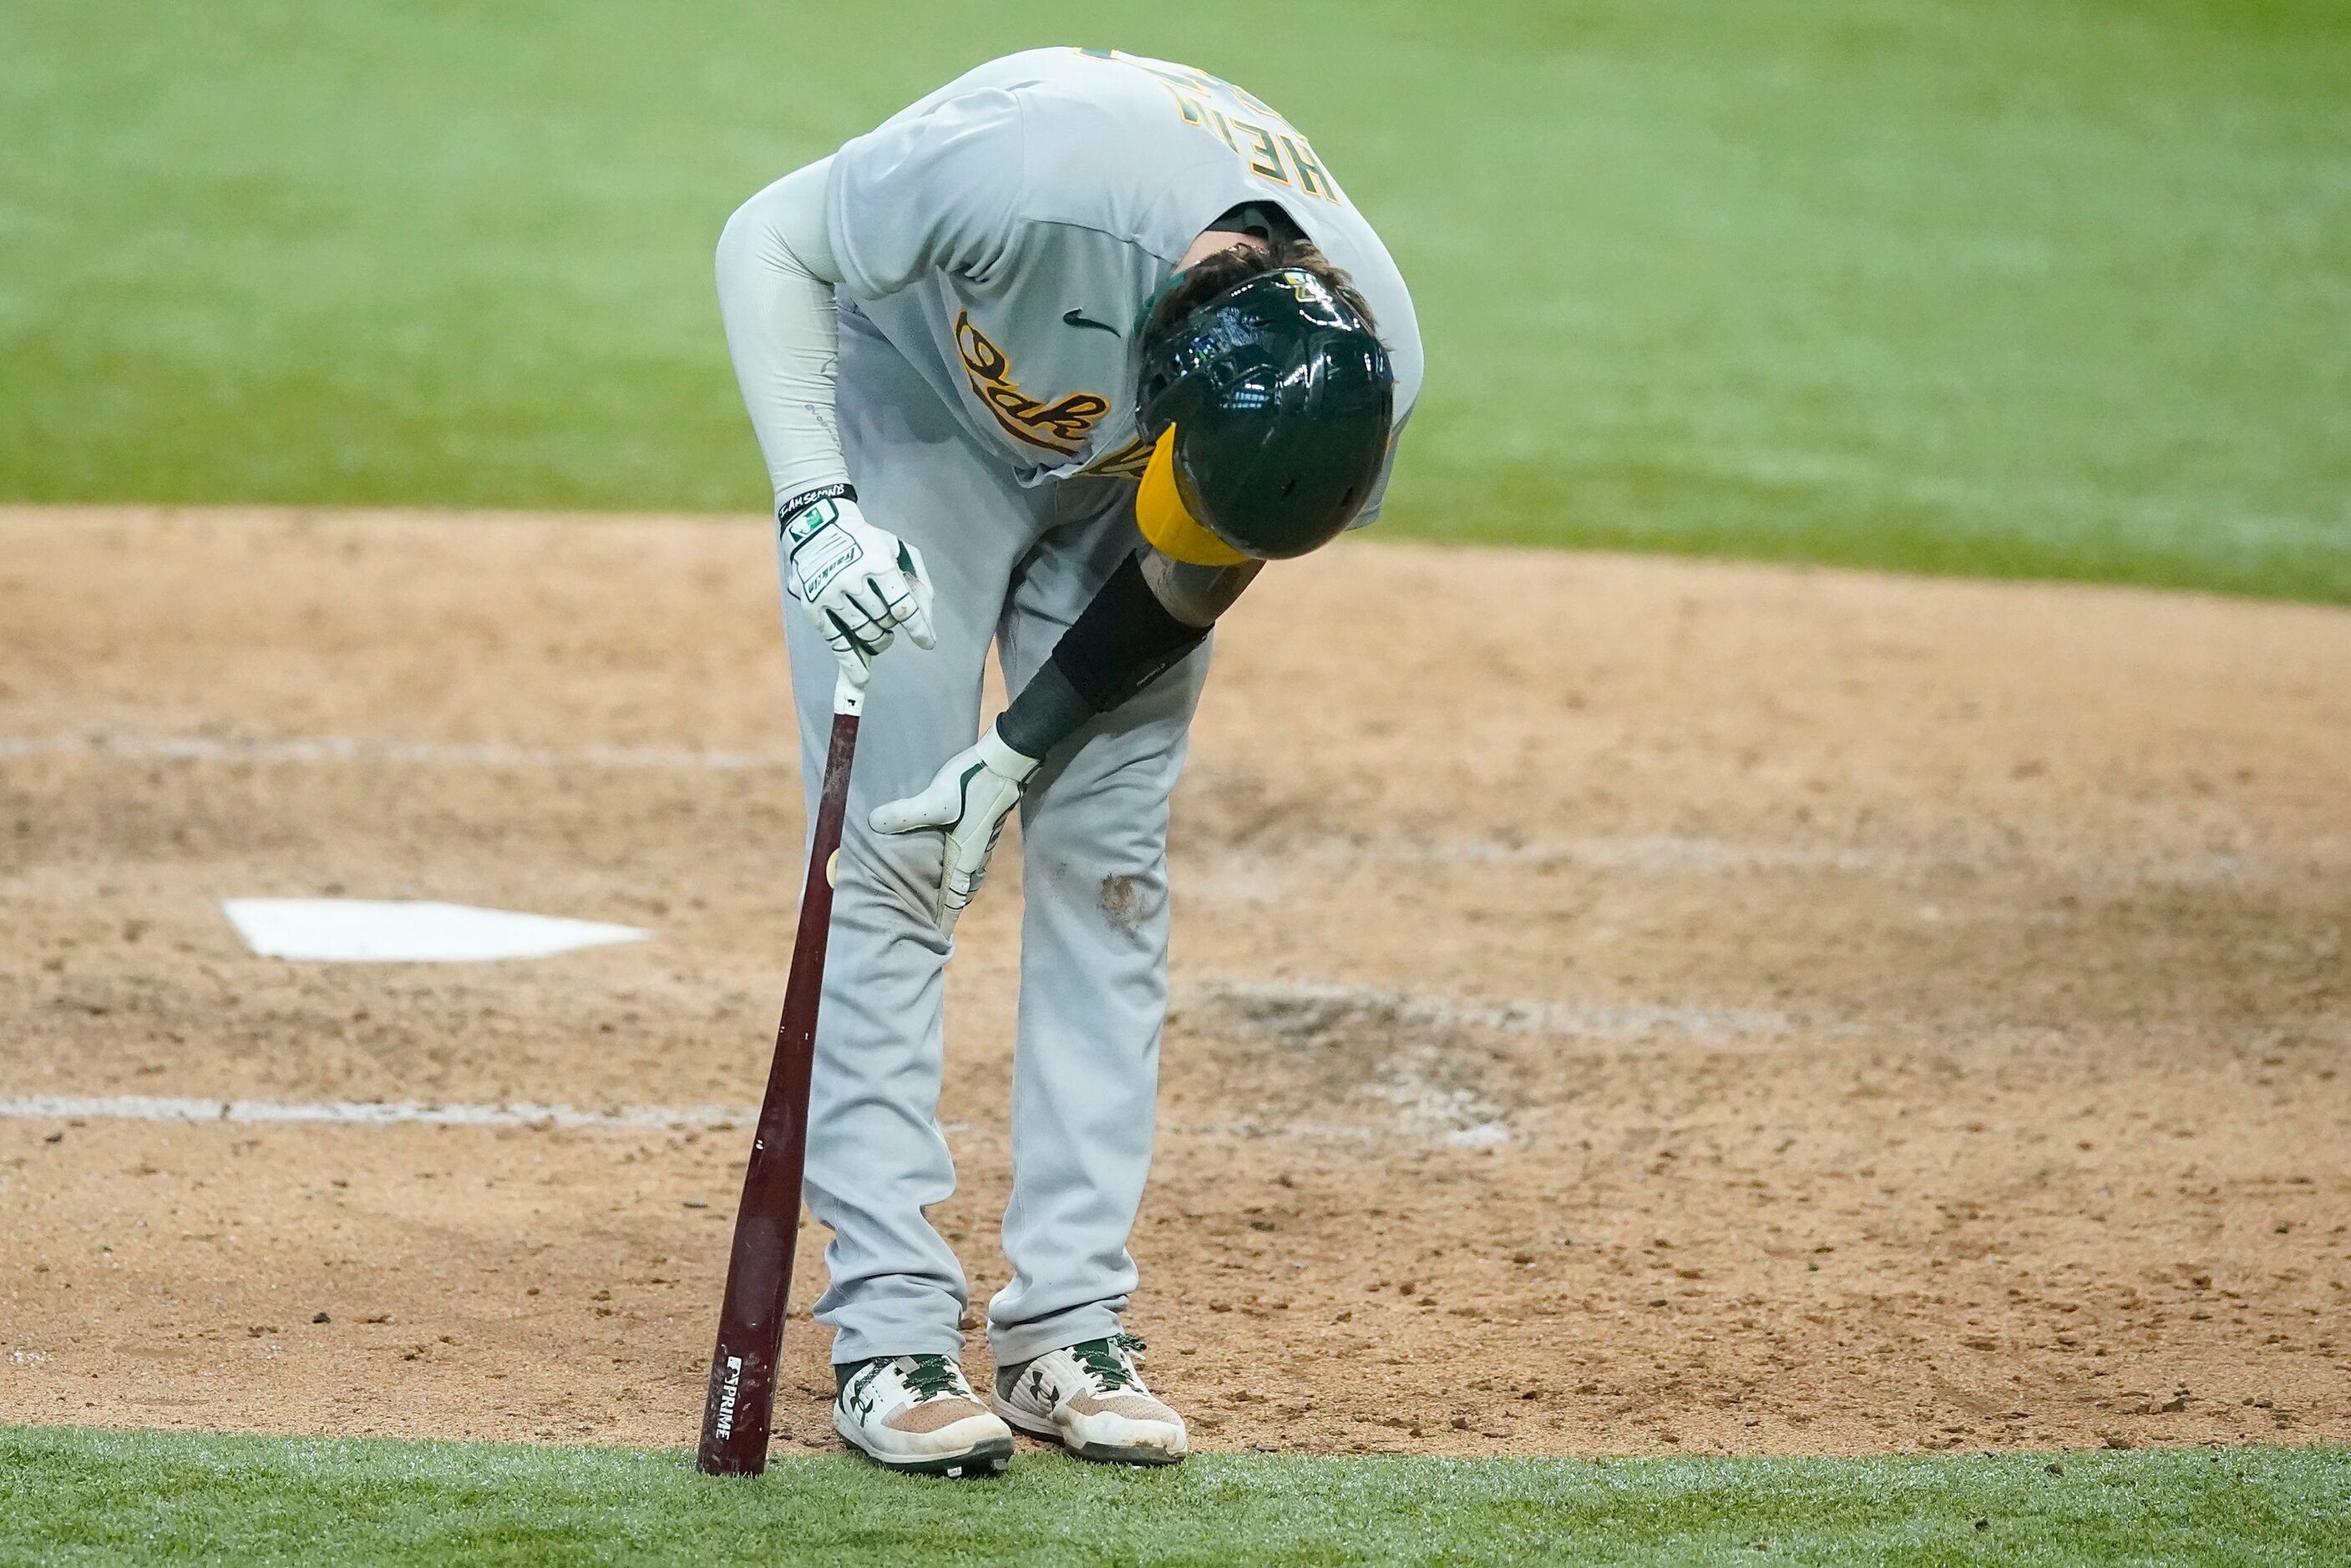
pixel 1006 231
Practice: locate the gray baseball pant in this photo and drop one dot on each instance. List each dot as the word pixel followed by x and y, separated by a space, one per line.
pixel 1014 566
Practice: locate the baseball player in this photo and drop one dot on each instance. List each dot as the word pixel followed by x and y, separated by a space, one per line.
pixel 1055 359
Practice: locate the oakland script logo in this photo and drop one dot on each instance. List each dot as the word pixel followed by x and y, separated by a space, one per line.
pixel 1060 427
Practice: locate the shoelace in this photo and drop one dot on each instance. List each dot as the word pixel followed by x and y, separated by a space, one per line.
pixel 1105 1360
pixel 933 1378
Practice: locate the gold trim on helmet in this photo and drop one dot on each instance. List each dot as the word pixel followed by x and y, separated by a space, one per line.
pixel 1167 523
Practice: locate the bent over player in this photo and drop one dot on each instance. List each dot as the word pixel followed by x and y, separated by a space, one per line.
pixel 1055 359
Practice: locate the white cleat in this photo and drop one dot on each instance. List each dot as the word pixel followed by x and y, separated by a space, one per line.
pixel 916 1414
pixel 1091 1400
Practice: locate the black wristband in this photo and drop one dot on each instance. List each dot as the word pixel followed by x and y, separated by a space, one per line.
pixel 1120 642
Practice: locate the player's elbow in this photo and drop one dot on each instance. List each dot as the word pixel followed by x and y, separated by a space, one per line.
pixel 739 242
pixel 782 229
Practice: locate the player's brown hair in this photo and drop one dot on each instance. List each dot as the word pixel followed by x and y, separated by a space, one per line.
pixel 1212 274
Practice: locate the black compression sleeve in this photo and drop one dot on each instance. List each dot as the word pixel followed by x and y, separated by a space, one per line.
pixel 1047 712
pixel 1120 642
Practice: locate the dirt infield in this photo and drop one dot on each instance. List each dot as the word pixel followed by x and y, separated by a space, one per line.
pixel 1622 1005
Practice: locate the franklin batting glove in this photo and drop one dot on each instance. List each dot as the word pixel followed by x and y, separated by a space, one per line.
pixel 857 582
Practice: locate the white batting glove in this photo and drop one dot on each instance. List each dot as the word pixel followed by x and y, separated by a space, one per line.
pixel 857 582
pixel 970 797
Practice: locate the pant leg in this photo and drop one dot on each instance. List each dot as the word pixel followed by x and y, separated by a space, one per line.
pixel 1093 962
pixel 875 1155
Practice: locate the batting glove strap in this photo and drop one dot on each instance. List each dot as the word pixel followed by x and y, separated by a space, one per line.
pixel 788 510
pixel 1002 758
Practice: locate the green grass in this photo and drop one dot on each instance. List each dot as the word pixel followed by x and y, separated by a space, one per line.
pixel 2053 287
pixel 77 1495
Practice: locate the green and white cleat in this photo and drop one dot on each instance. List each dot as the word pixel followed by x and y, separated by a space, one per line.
pixel 1092 1401
pixel 916 1414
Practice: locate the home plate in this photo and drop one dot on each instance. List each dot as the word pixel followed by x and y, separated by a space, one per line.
pixel 372 930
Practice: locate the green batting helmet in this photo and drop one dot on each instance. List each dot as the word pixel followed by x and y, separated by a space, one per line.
pixel 1269 406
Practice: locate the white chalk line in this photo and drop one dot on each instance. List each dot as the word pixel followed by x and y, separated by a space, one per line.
pixel 366 1112
pixel 1447 1114
pixel 349 749
pixel 1444 1114
pixel 199 1112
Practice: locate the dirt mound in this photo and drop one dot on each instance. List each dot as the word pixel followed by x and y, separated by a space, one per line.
pixel 1679 1007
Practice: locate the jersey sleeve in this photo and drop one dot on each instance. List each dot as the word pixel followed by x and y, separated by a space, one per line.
pixel 1379 496
pixel 938 189
pixel 776 276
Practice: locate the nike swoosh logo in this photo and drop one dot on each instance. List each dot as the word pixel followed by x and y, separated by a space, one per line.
pixel 1072 318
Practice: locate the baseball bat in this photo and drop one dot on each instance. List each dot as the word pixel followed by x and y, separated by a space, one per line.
pixel 741 1408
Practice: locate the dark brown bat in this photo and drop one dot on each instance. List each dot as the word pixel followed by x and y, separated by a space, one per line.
pixel 737 1415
